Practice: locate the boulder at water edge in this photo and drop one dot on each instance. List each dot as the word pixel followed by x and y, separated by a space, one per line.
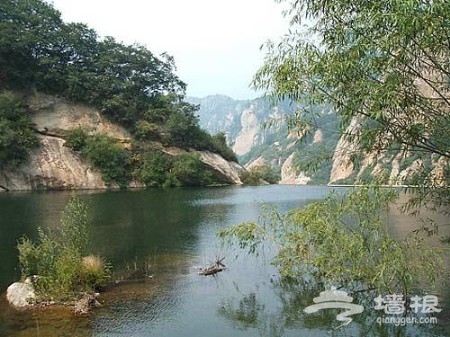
pixel 21 294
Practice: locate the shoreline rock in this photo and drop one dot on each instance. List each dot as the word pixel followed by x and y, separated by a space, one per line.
pixel 86 303
pixel 21 295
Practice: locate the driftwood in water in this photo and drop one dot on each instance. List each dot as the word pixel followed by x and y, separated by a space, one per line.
pixel 215 268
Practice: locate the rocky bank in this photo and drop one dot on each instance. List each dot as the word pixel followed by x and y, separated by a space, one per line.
pixel 55 166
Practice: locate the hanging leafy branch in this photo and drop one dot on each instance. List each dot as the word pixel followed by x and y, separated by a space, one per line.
pixel 382 65
pixel 344 241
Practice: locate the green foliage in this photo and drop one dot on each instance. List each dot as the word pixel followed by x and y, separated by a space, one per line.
pixel 183 130
pixel 147 131
pixel 94 271
pixel 39 51
pixel 57 257
pixel 127 83
pixel 259 175
pixel 155 168
pixel 189 170
pixel 142 162
pixel 73 232
pixel 35 259
pixel 76 138
pixel 104 153
pixel 17 137
pixel 110 157
pixel 219 146
pixel 28 30
pixel 344 241
pixel 377 63
pixel 162 170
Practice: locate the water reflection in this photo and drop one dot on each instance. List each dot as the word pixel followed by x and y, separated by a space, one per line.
pixel 250 312
pixel 156 239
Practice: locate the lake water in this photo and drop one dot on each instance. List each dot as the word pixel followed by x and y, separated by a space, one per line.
pixel 169 234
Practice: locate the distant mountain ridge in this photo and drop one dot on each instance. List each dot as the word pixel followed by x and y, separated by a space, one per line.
pixel 257 132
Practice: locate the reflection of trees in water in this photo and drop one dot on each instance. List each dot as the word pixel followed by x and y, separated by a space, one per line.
pixel 21 214
pixel 251 312
pixel 246 314
pixel 135 224
pixel 48 322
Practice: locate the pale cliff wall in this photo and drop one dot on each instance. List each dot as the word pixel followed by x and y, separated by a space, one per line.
pixel 250 133
pixel 389 165
pixel 290 174
pixel 342 165
pixel 228 170
pixel 54 166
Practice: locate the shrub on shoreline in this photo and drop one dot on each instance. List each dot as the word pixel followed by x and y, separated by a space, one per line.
pixel 58 258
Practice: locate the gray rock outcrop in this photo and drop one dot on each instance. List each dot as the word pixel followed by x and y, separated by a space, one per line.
pixel 250 132
pixel 230 171
pixel 289 174
pixel 21 294
pixel 55 166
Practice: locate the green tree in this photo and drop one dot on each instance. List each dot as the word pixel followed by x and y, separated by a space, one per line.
pixel 39 51
pixel 127 83
pixel 344 241
pixel 383 65
pixel 17 137
pixel 189 170
pixel 183 129
pixel 76 138
pixel 259 175
pixel 154 168
pixel 80 51
pixel 28 31
pixel 220 146
pixel 110 157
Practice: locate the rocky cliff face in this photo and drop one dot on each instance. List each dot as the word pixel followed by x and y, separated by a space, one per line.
pixel 259 135
pixel 250 134
pixel 394 167
pixel 227 170
pixel 342 165
pixel 55 166
pixel 290 175
pixel 52 165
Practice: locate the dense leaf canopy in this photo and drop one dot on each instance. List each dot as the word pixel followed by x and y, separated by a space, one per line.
pixel 38 50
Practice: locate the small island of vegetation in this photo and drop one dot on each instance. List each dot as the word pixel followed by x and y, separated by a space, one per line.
pixel 57 268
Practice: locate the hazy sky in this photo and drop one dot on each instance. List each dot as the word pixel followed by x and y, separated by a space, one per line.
pixel 215 43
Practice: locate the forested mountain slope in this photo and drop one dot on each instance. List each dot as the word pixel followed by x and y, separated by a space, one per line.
pixel 89 86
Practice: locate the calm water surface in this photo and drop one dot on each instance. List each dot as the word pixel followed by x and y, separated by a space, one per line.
pixel 169 234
